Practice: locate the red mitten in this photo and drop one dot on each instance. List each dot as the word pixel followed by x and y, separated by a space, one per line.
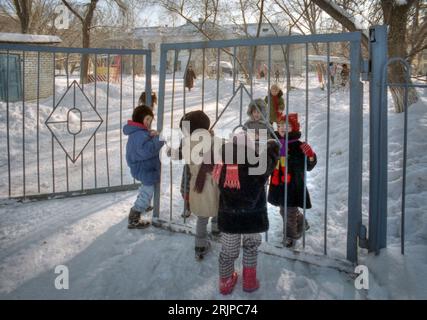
pixel 275 177
pixel 306 149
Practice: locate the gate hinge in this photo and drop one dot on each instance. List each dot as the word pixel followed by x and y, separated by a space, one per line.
pixel 363 240
pixel 366 69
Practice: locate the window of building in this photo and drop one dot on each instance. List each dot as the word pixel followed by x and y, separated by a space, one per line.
pixel 265 30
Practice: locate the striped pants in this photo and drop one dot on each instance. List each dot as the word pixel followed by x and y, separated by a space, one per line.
pixel 231 248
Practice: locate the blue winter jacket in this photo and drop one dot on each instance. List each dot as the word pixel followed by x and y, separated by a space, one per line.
pixel 142 154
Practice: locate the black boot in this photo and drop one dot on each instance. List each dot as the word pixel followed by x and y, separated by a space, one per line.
pixel 134 221
pixel 200 252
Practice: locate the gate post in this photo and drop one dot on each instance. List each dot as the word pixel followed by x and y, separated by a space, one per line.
pixel 355 153
pixel 160 111
pixel 377 140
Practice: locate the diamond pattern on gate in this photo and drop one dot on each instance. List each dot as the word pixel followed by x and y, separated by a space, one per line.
pixel 73 109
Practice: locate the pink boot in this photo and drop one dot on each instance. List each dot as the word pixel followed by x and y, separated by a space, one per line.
pixel 250 282
pixel 226 285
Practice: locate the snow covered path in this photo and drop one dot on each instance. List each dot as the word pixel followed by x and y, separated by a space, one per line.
pixel 107 261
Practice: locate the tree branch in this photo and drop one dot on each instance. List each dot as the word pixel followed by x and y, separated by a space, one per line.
pixel 342 19
pixel 65 2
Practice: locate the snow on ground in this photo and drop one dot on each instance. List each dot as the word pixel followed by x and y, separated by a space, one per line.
pixel 107 261
pixel 89 234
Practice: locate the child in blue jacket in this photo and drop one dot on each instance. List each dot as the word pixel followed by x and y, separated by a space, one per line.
pixel 142 157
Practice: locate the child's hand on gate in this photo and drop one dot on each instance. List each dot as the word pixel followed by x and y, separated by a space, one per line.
pixel 306 149
pixel 153 133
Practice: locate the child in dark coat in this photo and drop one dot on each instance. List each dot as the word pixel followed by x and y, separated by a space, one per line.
pixel 242 212
pixel 297 153
pixel 142 157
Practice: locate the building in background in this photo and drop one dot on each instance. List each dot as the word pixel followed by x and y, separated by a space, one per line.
pixel 152 38
pixel 16 67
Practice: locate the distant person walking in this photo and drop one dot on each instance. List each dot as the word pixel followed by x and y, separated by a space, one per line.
pixel 277 75
pixel 189 77
pixel 345 72
pixel 332 72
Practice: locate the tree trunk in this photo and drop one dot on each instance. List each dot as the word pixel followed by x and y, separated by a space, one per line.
pixel 84 68
pixel 23 11
pixel 24 25
pixel 397 20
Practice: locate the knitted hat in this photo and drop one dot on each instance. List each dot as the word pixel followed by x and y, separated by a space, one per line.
pixel 261 106
pixel 293 121
pixel 198 120
pixel 141 112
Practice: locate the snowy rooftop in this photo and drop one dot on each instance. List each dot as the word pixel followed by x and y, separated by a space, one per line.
pixel 27 38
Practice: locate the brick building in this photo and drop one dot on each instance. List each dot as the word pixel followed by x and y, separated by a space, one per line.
pixel 23 67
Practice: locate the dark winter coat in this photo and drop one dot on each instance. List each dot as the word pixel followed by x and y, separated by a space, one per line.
pixel 295 197
pixel 244 210
pixel 142 154
pixel 189 78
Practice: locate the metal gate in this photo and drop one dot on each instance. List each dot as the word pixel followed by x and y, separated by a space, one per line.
pixel 61 136
pixel 217 94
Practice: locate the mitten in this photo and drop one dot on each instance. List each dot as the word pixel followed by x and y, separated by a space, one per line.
pixel 306 149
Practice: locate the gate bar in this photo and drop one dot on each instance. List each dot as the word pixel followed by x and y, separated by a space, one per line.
pixel 133 89
pixel 285 193
pixel 294 39
pixel 23 120
pixel 217 81
pixel 7 122
pixel 121 119
pixel 53 140
pixel 147 77
pixel 304 209
pixel 203 78
pixel 94 136
pixel 377 140
pixel 325 231
pixel 106 120
pixel 355 153
pixel 160 117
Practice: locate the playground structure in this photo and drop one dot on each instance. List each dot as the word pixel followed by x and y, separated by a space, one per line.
pixel 105 67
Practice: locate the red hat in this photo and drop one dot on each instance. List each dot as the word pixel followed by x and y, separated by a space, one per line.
pixel 293 121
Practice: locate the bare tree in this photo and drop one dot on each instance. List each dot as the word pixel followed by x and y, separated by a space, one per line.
pixel 396 15
pixel 86 17
pixel 23 10
pixel 34 16
pixel 207 25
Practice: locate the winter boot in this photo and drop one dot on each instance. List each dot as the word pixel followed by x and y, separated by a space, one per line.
pixel 186 213
pixel 134 221
pixel 292 230
pixel 289 242
pixel 250 282
pixel 214 230
pixel 200 252
pixel 226 285
pixel 300 219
